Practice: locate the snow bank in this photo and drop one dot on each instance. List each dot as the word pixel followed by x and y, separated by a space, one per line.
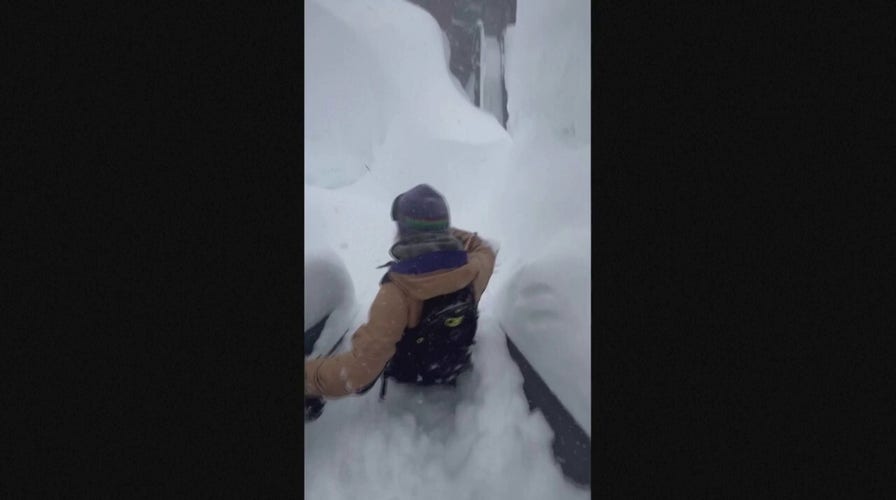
pixel 328 291
pixel 542 212
pixel 476 442
pixel 377 83
pixel 323 266
pixel 548 70
pixel 541 289
pixel 353 226
pixel 382 115
pixel 345 105
pixel 546 309
pixel 408 124
pixel 328 284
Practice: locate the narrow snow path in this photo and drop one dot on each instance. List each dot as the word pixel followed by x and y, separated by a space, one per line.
pixel 383 115
pixel 477 441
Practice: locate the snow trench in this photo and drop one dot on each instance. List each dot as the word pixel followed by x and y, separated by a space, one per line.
pixel 476 441
pixel 382 115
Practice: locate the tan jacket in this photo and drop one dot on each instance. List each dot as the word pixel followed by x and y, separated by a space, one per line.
pixel 398 305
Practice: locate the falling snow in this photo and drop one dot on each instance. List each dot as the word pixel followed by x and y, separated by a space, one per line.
pixel 378 93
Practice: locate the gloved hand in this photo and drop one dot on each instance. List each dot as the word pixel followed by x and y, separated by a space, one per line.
pixel 314 406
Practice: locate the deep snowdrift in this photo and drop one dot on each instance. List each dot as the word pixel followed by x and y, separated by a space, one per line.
pixel 542 286
pixel 346 100
pixel 382 115
pixel 376 79
pixel 476 442
pixel 542 210
pixel 548 70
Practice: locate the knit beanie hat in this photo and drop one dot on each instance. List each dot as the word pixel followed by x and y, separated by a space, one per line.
pixel 420 210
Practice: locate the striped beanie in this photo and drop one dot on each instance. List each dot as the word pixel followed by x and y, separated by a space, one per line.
pixel 420 210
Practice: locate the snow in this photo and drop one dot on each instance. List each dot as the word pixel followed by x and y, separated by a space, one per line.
pixel 344 96
pixel 478 442
pixel 542 296
pixel 542 289
pixel 383 113
pixel 549 69
pixel 336 298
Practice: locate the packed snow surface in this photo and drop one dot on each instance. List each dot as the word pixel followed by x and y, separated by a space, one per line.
pixel 382 114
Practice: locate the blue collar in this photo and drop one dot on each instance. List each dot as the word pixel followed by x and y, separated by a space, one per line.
pixel 429 262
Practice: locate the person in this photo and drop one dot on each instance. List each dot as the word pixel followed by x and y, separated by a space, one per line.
pixel 422 321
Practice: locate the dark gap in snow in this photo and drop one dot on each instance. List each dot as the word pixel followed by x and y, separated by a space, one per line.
pixel 465 23
pixel 313 333
pixel 572 446
pixel 503 82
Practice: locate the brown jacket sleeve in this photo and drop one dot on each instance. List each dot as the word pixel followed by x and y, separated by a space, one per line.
pixel 372 346
pixel 480 255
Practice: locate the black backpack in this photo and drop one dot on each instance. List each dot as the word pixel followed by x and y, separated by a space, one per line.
pixel 438 349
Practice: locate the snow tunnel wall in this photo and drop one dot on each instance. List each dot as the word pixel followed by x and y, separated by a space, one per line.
pixel 377 84
pixel 544 289
pixel 548 70
pixel 345 111
pixel 383 114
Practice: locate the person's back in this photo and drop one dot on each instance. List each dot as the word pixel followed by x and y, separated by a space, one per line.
pixel 434 265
